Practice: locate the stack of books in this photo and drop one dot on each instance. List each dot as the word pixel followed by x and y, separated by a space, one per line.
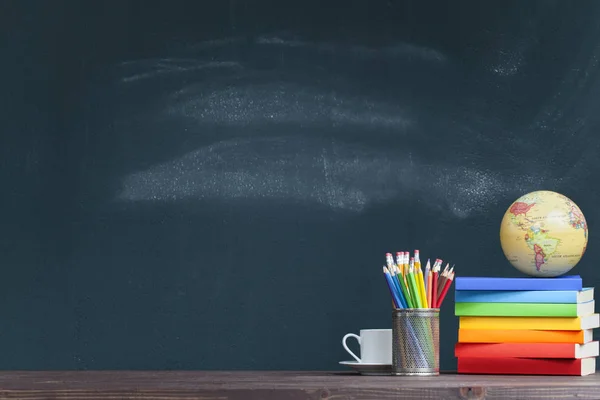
pixel 525 326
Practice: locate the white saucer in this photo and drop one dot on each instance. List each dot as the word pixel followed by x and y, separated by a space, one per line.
pixel 369 369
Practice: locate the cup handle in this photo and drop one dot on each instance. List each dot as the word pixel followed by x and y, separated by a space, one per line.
pixel 346 346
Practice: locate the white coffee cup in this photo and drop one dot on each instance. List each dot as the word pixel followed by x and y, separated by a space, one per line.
pixel 375 346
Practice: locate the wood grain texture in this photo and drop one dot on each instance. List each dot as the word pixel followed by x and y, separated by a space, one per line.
pixel 239 385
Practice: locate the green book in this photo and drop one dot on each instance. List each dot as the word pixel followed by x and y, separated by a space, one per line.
pixel 524 309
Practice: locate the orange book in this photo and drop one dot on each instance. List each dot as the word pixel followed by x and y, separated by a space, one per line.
pixel 523 336
pixel 526 350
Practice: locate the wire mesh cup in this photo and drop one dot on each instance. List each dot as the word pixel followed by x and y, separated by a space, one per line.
pixel 416 341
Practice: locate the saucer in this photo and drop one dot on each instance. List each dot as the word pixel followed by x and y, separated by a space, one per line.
pixel 369 369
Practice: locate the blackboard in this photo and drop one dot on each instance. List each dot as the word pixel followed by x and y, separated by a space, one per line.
pixel 214 184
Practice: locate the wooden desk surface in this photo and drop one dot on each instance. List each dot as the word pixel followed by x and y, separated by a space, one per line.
pixel 240 385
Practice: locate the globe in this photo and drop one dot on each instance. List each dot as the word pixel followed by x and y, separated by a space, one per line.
pixel 543 234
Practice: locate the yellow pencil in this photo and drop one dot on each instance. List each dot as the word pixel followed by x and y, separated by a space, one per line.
pixel 415 275
pixel 420 280
pixel 414 286
pixel 423 292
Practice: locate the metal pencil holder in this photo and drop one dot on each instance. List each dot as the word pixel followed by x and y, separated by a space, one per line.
pixel 416 341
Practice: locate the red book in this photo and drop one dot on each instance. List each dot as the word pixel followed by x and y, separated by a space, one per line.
pixel 526 366
pixel 526 350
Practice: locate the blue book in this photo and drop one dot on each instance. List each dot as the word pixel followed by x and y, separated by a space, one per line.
pixel 524 296
pixel 571 282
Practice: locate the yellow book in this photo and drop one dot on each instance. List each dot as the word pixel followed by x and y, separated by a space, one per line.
pixel 537 323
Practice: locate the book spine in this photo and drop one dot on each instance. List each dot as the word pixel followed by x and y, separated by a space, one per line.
pixel 519 366
pixel 480 283
pixel 512 323
pixel 516 309
pixel 510 296
pixel 525 350
pixel 519 336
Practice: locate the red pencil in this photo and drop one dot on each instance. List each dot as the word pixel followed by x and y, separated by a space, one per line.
pixel 445 290
pixel 442 282
pixel 434 283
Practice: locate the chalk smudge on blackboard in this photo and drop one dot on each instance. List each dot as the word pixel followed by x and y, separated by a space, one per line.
pixel 289 154
pixel 282 102
pixel 338 176
pixel 405 50
pixel 146 69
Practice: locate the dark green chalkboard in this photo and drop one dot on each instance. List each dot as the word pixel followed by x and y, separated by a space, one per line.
pixel 214 184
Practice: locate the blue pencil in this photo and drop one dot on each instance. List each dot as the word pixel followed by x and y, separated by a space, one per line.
pixel 394 286
pixel 395 276
pixel 393 289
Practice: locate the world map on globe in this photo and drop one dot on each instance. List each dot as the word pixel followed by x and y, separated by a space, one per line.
pixel 543 234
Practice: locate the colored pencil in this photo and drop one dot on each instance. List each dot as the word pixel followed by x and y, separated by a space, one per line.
pixel 420 280
pixel 399 263
pixel 406 292
pixel 417 281
pixel 396 285
pixel 427 271
pixel 389 260
pixel 434 283
pixel 446 287
pixel 410 279
pixel 429 276
pixel 398 278
pixel 414 287
pixel 422 288
pixel 392 288
pixel 443 278
pixel 440 287
pixel 406 266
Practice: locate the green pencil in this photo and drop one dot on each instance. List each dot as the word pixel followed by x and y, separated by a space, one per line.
pixel 405 290
pixel 413 287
